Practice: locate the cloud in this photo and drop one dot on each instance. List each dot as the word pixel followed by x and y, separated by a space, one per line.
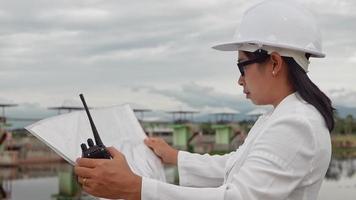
pixel 202 97
pixel 343 97
pixel 352 58
pixel 51 51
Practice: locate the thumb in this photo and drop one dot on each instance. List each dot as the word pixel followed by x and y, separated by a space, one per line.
pixel 148 142
pixel 114 152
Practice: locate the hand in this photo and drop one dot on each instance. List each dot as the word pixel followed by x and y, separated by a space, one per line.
pixel 107 178
pixel 167 154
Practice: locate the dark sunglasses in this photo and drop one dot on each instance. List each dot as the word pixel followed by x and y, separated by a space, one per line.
pixel 261 56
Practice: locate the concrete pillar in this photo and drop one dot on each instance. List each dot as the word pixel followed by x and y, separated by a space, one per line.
pixel 223 133
pixel 68 186
pixel 181 134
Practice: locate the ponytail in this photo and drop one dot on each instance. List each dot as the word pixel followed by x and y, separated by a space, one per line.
pixel 310 92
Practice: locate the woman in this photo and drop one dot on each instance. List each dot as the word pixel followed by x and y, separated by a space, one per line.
pixel 287 151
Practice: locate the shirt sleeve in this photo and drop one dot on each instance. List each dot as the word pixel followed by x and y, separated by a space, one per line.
pixel 275 166
pixel 157 190
pixel 201 170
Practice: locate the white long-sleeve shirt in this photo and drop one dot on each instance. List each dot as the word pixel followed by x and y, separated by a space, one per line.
pixel 285 156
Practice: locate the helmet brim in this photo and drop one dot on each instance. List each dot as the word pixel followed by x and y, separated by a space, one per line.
pixel 227 47
pixel 234 46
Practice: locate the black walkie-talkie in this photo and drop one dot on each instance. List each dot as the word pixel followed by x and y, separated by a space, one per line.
pixel 97 150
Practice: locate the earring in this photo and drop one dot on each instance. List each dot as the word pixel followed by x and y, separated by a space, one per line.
pixel 273 73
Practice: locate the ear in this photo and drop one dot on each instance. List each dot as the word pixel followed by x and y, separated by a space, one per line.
pixel 277 63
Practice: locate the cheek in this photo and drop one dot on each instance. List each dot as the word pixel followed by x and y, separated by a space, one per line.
pixel 253 84
pixel 257 88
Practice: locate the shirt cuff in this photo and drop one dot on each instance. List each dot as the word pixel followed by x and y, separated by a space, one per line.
pixel 182 173
pixel 149 189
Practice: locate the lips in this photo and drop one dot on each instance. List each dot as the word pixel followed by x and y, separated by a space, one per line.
pixel 247 93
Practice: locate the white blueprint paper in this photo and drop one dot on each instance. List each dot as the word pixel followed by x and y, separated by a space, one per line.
pixel 117 127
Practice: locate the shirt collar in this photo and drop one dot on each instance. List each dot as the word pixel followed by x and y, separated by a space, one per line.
pixel 285 104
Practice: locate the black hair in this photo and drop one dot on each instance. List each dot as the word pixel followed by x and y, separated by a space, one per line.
pixel 307 89
pixel 310 92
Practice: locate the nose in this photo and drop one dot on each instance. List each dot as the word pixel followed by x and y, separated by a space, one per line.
pixel 241 81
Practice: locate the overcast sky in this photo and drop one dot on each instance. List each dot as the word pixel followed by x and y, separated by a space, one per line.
pixel 153 53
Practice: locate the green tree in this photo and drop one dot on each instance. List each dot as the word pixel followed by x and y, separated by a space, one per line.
pixel 339 124
pixel 349 124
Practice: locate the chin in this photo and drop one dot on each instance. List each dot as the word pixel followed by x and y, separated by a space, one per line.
pixel 257 102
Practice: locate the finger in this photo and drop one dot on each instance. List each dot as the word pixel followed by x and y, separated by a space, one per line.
pixel 162 141
pixel 148 142
pixel 83 171
pixel 87 187
pixel 87 162
pixel 149 139
pixel 114 152
pixel 81 180
pixel 152 142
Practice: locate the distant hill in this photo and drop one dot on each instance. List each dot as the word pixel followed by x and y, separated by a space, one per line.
pixel 163 116
pixel 344 111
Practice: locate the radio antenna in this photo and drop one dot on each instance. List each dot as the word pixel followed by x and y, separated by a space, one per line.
pixel 93 128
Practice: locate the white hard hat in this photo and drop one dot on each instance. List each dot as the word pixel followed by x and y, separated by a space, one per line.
pixel 278 25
